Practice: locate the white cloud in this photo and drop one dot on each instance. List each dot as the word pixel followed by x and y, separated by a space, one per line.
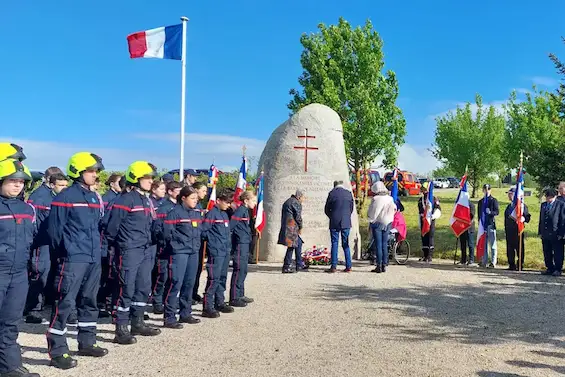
pixel 416 159
pixel 200 151
pixel 498 107
pixel 544 81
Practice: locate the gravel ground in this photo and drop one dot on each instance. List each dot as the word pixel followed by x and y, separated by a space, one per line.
pixel 415 320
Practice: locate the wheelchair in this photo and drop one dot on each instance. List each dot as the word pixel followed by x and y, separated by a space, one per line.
pixel 399 251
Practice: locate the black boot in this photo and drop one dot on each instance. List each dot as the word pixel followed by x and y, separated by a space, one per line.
pixel 139 327
pixel 63 362
pixel 190 320
pixel 173 325
pixel 158 309
pixel 238 303
pixel 92 351
pixel 383 268
pixel 377 269
pixel 19 372
pixel 247 300
pixel 123 335
pixel 225 308
pixel 207 313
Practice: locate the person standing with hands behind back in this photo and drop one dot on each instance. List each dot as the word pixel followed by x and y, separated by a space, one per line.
pixel 490 207
pixel 339 207
pixel 552 230
pixel 512 235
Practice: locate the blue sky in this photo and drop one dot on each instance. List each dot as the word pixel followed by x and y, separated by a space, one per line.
pixel 68 84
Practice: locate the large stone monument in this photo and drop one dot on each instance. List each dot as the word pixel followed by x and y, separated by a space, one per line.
pixel 306 152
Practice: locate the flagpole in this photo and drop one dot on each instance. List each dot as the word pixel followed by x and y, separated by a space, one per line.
pixel 257 247
pixel 455 255
pixel 183 98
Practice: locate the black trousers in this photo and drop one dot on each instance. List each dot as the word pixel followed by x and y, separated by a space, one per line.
pixel 428 242
pixel 512 250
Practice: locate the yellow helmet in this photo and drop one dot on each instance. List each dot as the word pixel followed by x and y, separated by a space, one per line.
pixel 425 186
pixel 9 150
pixel 83 161
pixel 140 169
pixel 14 169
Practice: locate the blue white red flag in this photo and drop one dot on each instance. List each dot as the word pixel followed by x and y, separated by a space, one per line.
pixel 260 216
pixel 394 191
pixel 212 180
pixel 518 202
pixel 161 43
pixel 461 217
pixel 428 209
pixel 241 181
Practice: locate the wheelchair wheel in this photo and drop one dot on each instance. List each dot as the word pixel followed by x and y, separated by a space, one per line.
pixel 401 252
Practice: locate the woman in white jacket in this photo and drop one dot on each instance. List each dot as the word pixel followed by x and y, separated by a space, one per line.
pixel 380 214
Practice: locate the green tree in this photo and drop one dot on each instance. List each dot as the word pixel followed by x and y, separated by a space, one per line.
pixel 443 171
pixel 535 127
pixel 465 139
pixel 343 69
pixel 559 96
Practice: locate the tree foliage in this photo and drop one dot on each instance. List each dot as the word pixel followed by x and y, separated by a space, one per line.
pixel 535 127
pixel 559 96
pixel 343 69
pixel 471 139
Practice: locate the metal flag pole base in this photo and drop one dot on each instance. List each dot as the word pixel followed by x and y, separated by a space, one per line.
pixel 455 254
pixel 520 252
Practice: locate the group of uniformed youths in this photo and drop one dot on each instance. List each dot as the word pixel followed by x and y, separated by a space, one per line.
pixel 141 244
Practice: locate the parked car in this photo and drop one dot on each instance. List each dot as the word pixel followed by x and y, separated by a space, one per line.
pixel 441 183
pixel 407 183
pixel 453 182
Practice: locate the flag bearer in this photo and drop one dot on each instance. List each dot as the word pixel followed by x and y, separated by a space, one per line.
pixel 129 230
pixel 489 206
pixel 161 270
pixel 17 229
pixel 40 265
pixel 216 232
pixel 241 239
pixel 183 236
pixel 73 228
pixel 511 231
pixel 428 238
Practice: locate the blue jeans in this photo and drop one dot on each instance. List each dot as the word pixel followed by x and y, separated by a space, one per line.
pixel 344 243
pixel 380 239
pixel 490 244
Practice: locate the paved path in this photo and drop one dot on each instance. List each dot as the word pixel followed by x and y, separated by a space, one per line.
pixel 415 320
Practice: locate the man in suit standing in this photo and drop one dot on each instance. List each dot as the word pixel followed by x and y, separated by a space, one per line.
pixel 551 230
pixel 489 205
pixel 512 235
pixel 339 207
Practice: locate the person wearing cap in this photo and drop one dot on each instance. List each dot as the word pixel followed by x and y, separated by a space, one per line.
pixel 190 177
pixel 291 228
pixel 428 239
pixel 512 235
pixel 467 240
pixel 487 208
pixel 552 231
pixel 17 229
pixel 73 227
pixel 129 230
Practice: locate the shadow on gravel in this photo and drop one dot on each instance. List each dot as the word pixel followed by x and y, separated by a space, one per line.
pixel 485 373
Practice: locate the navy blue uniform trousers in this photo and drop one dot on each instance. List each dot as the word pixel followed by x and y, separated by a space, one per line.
pixel 13 291
pixel 182 272
pixel 134 276
pixel 75 282
pixel 161 276
pixel 39 267
pixel 217 268
pixel 199 271
pixel 239 273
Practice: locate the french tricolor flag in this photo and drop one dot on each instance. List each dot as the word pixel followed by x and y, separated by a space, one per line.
pixel 482 235
pixel 212 179
pixel 518 202
pixel 428 210
pixel 461 217
pixel 260 217
pixel 161 43
pixel 241 181
pixel 394 191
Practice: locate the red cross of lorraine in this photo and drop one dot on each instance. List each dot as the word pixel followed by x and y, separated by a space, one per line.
pixel 306 147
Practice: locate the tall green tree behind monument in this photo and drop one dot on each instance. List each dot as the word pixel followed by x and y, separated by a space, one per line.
pixel 343 69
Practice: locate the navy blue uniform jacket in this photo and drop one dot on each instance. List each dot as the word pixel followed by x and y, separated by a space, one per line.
pixel 492 204
pixel 339 207
pixel 74 225
pixel 41 200
pixel 17 229
pixel 216 231
pixel 130 221
pixel 552 220
pixel 182 230
pixel 239 225
pixel 166 206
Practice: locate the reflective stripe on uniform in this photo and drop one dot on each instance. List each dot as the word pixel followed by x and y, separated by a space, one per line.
pixel 57 332
pixel 87 324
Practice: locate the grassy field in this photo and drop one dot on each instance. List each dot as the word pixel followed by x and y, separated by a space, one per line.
pixel 445 239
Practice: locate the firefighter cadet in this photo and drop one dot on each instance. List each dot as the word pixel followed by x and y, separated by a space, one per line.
pixel 183 236
pixel 73 228
pixel 216 232
pixel 129 231
pixel 241 239
pixel 16 218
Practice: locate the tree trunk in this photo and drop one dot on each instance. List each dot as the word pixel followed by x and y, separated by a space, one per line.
pixel 474 183
pixel 357 183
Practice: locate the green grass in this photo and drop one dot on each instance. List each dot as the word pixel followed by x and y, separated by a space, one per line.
pixel 445 240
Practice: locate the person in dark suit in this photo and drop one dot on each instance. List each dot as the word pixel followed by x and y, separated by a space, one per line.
pixel 339 207
pixel 488 206
pixel 551 230
pixel 467 240
pixel 291 228
pixel 512 235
